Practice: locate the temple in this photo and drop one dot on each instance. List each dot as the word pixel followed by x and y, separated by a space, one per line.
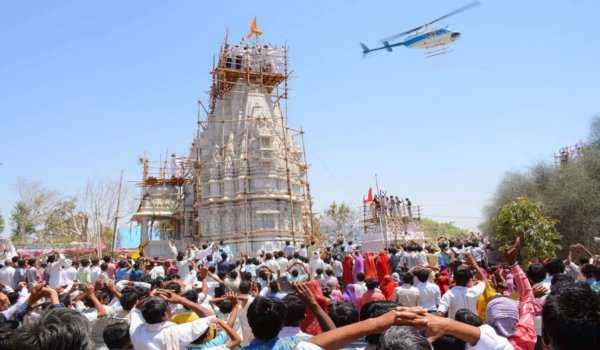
pixel 245 179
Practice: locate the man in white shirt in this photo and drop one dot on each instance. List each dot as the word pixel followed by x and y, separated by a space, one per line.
pixel 246 299
pixel 360 286
pixel 302 251
pixel 157 271
pixel 270 263
pixel 54 268
pixel 316 263
pixel 95 271
pixel 283 263
pixel 150 329
pixel 288 249
pixel 461 297
pixel 183 267
pixel 407 295
pixel 429 293
pixel 338 269
pixel 7 274
pixel 202 254
pixel 68 273
pixel 409 259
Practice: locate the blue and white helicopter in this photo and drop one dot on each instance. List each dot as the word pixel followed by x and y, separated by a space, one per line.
pixel 424 37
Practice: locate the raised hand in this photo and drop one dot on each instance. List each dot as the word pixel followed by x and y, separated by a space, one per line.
pixel 539 291
pixel 88 289
pixel 510 254
pixel 169 296
pixel 410 316
pixel 304 293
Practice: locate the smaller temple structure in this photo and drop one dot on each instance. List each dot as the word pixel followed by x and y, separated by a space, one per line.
pixel 165 212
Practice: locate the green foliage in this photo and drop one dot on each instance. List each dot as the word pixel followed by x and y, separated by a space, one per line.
pixel 568 193
pixel 65 221
pixel 435 229
pixel 22 222
pixel 524 218
pixel 1 224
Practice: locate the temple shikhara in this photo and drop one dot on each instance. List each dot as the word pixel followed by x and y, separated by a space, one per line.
pixel 245 178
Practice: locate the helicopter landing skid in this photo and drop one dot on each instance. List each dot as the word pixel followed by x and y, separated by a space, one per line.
pixel 443 50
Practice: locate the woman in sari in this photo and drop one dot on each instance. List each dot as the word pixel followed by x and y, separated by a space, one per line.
pixel 359 266
pixel 443 280
pixel 383 266
pixel 370 269
pixel 310 324
pixel 351 296
pixel 347 277
pixel 387 287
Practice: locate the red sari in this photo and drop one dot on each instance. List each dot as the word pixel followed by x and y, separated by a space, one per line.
pixel 310 324
pixel 387 287
pixel 383 266
pixel 347 276
pixel 370 270
pixel 443 281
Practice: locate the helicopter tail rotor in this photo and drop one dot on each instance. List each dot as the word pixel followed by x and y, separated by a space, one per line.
pixel 365 49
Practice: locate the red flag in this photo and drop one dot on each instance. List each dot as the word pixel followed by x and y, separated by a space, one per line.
pixel 370 195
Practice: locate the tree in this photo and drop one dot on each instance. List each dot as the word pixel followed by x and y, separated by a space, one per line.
pixel 435 229
pixel 524 218
pixel 341 219
pixel 29 213
pixel 21 222
pixel 99 201
pixel 1 224
pixel 66 222
pixel 568 192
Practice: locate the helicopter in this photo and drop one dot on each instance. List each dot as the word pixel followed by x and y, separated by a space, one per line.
pixel 423 37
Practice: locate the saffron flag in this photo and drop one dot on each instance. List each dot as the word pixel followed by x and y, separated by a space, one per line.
pixel 369 196
pixel 254 29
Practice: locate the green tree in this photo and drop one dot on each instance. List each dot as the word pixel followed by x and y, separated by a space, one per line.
pixel 66 222
pixel 434 229
pixel 22 222
pixel 568 192
pixel 1 224
pixel 524 218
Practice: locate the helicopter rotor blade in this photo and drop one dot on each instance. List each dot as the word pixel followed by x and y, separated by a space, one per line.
pixel 459 10
pixel 396 36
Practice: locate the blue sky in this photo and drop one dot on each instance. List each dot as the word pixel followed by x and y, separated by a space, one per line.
pixel 88 87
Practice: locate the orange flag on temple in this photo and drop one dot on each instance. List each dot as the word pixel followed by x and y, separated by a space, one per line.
pixel 254 29
pixel 369 196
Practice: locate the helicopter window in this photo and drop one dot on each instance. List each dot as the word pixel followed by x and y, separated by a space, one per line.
pixel 431 34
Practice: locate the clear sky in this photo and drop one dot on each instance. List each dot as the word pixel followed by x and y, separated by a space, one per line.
pixel 88 87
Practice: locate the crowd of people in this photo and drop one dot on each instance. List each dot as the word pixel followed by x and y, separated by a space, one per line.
pixel 444 295
pixel 256 58
pixel 390 205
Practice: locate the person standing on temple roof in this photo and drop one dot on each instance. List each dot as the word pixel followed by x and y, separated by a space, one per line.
pixel 409 207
